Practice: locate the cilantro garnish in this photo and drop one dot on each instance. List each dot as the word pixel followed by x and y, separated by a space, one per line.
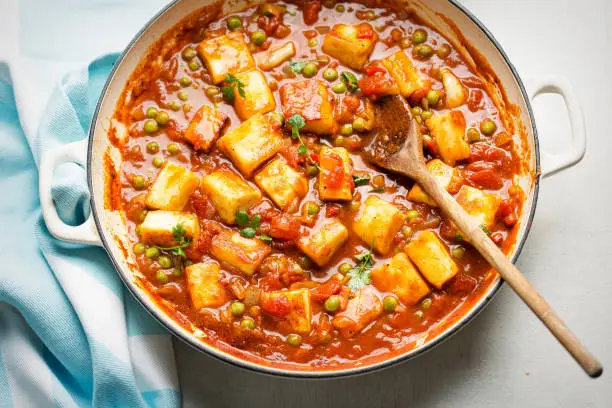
pixel 251 225
pixel 361 180
pixel 297 66
pixel 458 237
pixel 228 90
pixel 485 229
pixel 377 190
pixel 350 81
pixel 182 242
pixel 360 274
pixel 297 123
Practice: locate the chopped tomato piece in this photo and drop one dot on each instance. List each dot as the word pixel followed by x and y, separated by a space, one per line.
pixel 497 237
pixel 462 284
pixel 275 305
pixel 311 12
pixel 285 227
pixel 322 292
pixel 373 68
pixel 488 179
pixel 332 210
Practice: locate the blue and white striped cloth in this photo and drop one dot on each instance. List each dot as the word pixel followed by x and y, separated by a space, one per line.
pixel 70 333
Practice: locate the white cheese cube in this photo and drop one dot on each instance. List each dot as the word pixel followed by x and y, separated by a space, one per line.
pixel 336 174
pixel 442 172
pixel 323 240
pixel 300 311
pixel 172 188
pixel 236 251
pixel 449 131
pixel 204 286
pixel 312 101
pixel 258 97
pixel 399 276
pixel 362 309
pixel 285 185
pixel 404 72
pixel 227 54
pixel 205 128
pixel 157 227
pixel 480 205
pixel 377 223
pixel 431 256
pixel 350 44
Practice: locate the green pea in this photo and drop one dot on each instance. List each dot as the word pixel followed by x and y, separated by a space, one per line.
pixel 152 253
pixel 313 42
pixel 175 106
pixel 426 303
pixel 426 114
pixel 237 308
pixel 444 51
pixel 433 97
pixel 176 272
pixel 473 135
pixel 419 36
pixel 332 303
pixel 212 91
pixel 164 261
pixel 370 15
pixel 312 208
pixel 173 148
pixel 185 81
pixel 412 214
pixel 488 127
pixel 143 215
pixel 423 50
pixel 193 65
pixel 183 96
pixel 294 340
pixel 158 162
pixel 304 262
pixel 390 304
pixel 188 53
pixel 330 74
pixel 346 129
pixel 234 23
pixel 152 147
pixel 162 118
pixel 139 182
pixel 139 248
pixel 417 111
pixel 310 70
pixel 458 252
pixel 312 171
pixel 151 113
pixel 258 37
pixel 340 8
pixel 247 323
pixel 138 230
pixel 345 268
pixel 354 205
pixel 161 277
pixel 339 88
pixel 151 126
pixel 359 124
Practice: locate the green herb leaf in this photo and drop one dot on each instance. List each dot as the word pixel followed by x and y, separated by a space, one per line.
pixel 248 232
pixel 178 233
pixel 182 242
pixel 360 274
pixel 485 229
pixel 265 238
pixel 242 218
pixel 458 237
pixel 255 221
pixel 228 93
pixel 232 82
pixel 377 190
pixel 297 123
pixel 350 81
pixel 297 66
pixel 361 180
pixel 302 150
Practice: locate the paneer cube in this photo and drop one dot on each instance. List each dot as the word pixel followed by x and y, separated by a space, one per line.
pixel 431 256
pixel 399 276
pixel 251 143
pixel 377 223
pixel 449 131
pixel 229 193
pixel 204 286
pixel 172 188
pixel 157 227
pixel 205 128
pixel 404 72
pixel 236 251
pixel 258 97
pixel 350 44
pixel 361 310
pixel 312 101
pixel 300 313
pixel 480 205
pixel 285 185
pixel 275 56
pixel 336 174
pixel 322 242
pixel 456 94
pixel 443 174
pixel 227 54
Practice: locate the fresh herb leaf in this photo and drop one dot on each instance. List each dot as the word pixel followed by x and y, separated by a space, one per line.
pixel 302 150
pixel 361 180
pixel 485 229
pixel 242 218
pixel 350 81
pixel 255 221
pixel 265 238
pixel 377 190
pixel 297 123
pixel 179 234
pixel 297 66
pixel 458 237
pixel 248 232
pixel 360 274
pixel 228 90
pixel 228 93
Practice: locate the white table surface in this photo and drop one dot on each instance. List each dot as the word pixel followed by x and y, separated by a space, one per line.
pixel 504 358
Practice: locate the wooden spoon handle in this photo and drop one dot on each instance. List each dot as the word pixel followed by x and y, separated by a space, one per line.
pixel 496 258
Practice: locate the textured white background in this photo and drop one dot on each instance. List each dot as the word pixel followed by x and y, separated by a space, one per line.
pixel 505 358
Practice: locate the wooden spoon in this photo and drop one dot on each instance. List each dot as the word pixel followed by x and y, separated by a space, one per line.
pixel 397 145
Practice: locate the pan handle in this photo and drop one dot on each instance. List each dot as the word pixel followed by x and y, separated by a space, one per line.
pixel 554 163
pixel 85 233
